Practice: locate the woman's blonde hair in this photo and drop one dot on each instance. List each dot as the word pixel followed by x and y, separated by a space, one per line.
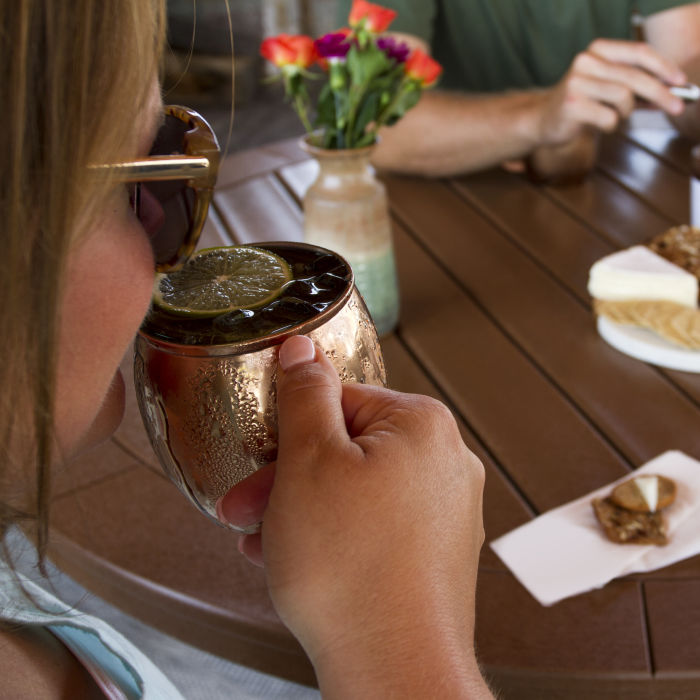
pixel 76 76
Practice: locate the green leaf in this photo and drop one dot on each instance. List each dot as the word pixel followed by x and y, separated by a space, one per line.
pixel 366 114
pixel 402 102
pixel 364 66
pixel 325 108
pixel 368 139
pixel 406 102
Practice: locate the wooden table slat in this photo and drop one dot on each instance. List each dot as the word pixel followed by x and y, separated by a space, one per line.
pixel 572 627
pixel 673 609
pixel 259 210
pixel 299 176
pixel 504 509
pixel 653 131
pixel 568 456
pixel 556 331
pixel 662 186
pixel 248 164
pixel 565 246
pixel 615 212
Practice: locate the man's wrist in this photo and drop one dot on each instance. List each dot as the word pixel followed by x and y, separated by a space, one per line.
pixel 565 164
pixel 528 122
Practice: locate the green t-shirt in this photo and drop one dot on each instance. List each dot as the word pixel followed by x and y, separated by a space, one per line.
pixel 494 45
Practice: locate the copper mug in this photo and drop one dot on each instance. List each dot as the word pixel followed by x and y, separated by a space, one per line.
pixel 210 410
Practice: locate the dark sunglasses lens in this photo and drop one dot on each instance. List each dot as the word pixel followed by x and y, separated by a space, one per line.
pixel 170 139
pixel 166 211
pixel 166 207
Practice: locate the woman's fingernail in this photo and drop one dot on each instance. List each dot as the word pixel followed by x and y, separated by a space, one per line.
pixel 297 350
pixel 219 512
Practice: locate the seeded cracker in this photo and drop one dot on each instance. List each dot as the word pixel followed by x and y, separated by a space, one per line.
pixel 680 245
pixel 629 527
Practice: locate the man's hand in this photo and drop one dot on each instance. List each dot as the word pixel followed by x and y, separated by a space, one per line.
pixel 602 86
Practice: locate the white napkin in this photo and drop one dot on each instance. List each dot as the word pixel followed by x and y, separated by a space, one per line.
pixel 565 552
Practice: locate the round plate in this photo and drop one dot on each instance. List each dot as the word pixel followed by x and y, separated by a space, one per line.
pixel 646 345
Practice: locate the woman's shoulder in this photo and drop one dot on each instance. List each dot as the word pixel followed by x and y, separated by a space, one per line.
pixel 39 666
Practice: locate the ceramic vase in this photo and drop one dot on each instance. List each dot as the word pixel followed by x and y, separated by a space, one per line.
pixel 346 210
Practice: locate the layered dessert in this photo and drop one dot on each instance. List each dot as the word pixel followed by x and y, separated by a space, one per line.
pixel 653 287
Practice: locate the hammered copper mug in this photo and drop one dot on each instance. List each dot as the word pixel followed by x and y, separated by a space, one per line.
pixel 210 409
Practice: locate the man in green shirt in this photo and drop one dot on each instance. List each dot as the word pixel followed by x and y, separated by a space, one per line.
pixel 535 81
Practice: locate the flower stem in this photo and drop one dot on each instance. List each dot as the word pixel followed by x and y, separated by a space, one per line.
pixel 356 94
pixel 301 111
pixel 340 135
pixel 386 112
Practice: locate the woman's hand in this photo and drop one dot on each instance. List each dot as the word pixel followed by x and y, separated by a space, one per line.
pixel 371 532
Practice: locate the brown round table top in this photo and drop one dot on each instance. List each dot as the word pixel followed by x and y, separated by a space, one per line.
pixel 496 321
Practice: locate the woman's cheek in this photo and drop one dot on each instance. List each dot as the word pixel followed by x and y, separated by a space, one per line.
pixel 110 279
pixel 108 417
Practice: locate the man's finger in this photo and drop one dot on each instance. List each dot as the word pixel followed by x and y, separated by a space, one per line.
pixel 638 54
pixel 595 72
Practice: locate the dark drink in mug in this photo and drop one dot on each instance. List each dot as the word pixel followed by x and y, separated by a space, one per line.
pixel 206 386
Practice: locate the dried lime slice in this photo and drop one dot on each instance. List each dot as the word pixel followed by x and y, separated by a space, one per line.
pixel 217 280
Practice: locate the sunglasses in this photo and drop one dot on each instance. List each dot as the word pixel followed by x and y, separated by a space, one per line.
pixel 170 190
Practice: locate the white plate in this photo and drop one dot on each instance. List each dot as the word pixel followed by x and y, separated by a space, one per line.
pixel 646 345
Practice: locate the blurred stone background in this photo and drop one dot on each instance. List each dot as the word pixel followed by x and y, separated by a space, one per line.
pixel 198 65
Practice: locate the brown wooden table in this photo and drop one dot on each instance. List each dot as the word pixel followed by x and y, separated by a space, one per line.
pixel 496 321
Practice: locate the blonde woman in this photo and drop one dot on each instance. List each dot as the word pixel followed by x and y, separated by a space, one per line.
pixel 344 508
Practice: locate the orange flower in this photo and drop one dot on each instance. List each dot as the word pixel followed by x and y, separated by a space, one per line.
pixel 422 68
pixel 377 18
pixel 289 50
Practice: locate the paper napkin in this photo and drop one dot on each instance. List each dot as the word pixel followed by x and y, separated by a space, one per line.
pixel 564 552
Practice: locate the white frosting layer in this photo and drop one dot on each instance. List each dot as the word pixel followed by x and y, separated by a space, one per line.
pixel 649 488
pixel 639 273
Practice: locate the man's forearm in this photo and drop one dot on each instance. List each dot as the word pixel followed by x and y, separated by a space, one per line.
pixel 449 133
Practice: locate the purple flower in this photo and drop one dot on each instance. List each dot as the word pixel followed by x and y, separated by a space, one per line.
pixel 389 45
pixel 334 45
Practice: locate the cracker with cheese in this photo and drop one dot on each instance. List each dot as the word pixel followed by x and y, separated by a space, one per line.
pixel 631 513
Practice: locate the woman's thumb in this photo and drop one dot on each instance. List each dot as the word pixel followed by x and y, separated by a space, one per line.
pixel 308 398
